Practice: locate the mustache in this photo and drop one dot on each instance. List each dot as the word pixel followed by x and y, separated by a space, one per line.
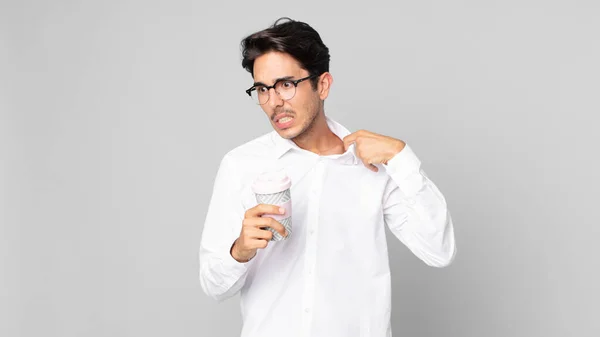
pixel 286 111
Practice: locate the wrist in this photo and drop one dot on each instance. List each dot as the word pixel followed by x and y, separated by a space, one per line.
pixel 397 147
pixel 239 256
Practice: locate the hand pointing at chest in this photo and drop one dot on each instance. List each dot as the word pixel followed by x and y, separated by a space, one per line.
pixel 372 148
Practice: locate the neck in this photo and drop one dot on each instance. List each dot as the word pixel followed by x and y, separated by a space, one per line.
pixel 318 138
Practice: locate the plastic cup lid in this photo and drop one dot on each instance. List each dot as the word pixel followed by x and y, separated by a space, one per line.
pixel 271 182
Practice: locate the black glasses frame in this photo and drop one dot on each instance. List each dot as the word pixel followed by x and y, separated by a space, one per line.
pixel 269 87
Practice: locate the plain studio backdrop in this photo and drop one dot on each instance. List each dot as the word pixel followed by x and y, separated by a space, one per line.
pixel 115 115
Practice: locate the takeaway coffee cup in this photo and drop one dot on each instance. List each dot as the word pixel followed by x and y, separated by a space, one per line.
pixel 273 188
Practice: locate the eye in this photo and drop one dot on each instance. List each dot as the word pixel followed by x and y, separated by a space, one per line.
pixel 288 84
pixel 261 89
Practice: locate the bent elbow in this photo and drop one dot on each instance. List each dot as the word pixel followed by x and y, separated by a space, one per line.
pixel 444 258
pixel 446 251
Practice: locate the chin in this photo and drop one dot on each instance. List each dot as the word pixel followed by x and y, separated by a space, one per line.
pixel 287 133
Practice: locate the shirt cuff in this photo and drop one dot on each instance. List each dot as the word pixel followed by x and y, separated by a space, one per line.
pixel 405 170
pixel 232 267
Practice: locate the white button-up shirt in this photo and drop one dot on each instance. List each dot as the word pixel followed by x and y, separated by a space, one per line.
pixel 331 277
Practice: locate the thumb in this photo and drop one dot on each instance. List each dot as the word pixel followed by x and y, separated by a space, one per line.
pixel 370 166
pixel 349 140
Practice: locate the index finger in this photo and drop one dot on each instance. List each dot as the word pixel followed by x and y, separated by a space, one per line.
pixel 262 209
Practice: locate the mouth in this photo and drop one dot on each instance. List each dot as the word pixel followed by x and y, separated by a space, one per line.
pixel 283 121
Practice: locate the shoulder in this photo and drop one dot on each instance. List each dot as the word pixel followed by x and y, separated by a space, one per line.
pixel 240 165
pixel 261 147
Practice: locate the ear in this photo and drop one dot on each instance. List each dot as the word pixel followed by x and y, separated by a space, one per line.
pixel 324 84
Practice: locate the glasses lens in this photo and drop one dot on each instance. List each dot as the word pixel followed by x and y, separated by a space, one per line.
pixel 285 89
pixel 260 95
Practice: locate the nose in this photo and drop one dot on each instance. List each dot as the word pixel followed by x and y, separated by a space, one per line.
pixel 274 99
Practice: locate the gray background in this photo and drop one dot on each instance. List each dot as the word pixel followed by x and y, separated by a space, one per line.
pixel 115 114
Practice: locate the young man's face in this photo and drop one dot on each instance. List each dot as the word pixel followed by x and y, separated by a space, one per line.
pixel 292 117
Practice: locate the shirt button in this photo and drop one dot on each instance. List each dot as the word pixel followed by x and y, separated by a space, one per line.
pixel 307 310
pixel 411 201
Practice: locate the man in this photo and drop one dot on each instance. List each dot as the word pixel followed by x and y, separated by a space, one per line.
pixel 330 277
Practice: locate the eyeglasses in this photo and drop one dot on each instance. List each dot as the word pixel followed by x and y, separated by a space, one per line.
pixel 285 88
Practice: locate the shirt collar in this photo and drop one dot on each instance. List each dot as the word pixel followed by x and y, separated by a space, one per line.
pixel 282 145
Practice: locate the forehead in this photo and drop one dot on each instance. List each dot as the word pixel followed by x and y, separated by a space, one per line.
pixel 273 65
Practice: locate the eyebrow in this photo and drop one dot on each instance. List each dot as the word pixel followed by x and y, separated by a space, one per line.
pixel 276 80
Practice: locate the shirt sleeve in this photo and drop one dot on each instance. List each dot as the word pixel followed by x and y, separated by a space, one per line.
pixel 416 211
pixel 221 276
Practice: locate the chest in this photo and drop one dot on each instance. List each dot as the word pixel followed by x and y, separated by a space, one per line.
pixel 337 197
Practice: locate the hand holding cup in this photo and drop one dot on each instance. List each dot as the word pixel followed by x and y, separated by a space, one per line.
pixel 257 231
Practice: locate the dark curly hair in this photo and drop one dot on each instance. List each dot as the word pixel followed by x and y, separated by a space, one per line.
pixel 295 38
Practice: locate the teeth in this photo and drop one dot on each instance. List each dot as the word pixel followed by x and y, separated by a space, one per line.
pixel 285 119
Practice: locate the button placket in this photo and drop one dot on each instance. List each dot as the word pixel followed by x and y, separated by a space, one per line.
pixel 311 245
